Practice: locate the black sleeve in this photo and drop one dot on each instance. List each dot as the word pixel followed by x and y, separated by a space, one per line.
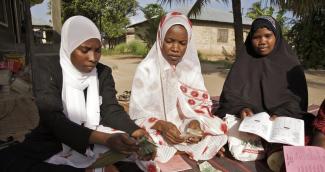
pixel 47 89
pixel 231 103
pixel 297 97
pixel 112 114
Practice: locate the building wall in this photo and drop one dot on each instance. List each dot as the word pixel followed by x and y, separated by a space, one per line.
pixel 130 35
pixel 208 38
pixel 205 36
pixel 135 33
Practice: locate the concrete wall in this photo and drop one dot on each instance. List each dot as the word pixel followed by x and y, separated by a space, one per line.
pixel 205 35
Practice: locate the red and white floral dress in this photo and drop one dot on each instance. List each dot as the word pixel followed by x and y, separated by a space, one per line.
pixel 176 94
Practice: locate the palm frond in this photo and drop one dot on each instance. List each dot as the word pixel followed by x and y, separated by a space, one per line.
pixel 300 7
pixel 199 5
pixel 162 2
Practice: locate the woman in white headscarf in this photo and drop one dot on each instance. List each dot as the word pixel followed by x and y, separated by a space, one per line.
pixel 169 96
pixel 77 104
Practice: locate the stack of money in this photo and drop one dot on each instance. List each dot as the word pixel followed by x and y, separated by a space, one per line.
pixel 146 147
pixel 111 157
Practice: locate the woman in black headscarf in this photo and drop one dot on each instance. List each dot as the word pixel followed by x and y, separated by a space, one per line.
pixel 266 76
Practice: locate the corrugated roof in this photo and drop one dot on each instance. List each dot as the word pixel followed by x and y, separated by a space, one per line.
pixel 210 14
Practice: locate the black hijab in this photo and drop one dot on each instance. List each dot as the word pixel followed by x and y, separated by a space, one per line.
pixel 274 83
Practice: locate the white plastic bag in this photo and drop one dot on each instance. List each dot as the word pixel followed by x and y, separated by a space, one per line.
pixel 243 146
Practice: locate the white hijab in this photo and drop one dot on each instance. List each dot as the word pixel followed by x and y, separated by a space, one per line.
pixel 157 87
pixel 75 31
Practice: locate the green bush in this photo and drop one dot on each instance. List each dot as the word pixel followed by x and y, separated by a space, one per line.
pixel 134 47
pixel 106 51
pixel 307 37
pixel 120 49
pixel 138 48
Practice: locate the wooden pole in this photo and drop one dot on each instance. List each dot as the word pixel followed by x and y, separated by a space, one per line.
pixel 56 15
pixel 29 34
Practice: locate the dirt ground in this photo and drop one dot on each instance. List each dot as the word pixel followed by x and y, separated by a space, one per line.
pixel 124 68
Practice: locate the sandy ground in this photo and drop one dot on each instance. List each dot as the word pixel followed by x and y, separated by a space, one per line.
pixel 124 68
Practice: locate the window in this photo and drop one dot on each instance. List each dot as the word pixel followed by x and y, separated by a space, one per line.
pixel 223 35
pixel 3 14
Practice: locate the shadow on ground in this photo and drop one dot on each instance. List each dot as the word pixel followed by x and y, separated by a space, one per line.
pixel 210 68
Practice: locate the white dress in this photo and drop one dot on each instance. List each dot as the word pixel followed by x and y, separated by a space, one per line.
pixel 175 94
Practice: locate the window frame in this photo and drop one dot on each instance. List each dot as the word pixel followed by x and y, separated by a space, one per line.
pixel 225 33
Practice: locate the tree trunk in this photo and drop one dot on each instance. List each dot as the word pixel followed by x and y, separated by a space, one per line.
pixel 29 34
pixel 238 24
pixel 56 15
pixel 56 19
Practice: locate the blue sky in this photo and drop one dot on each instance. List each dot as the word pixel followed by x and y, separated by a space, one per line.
pixel 39 11
pixel 214 4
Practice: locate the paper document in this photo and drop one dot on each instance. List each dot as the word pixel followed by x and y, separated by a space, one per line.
pixel 285 130
pixel 207 167
pixel 304 158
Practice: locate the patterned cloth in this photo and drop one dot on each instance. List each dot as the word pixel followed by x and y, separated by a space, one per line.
pixel 175 94
pixel 319 122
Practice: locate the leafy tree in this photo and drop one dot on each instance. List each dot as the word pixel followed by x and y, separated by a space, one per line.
pixel 256 10
pixel 87 8
pixel 153 11
pixel 115 19
pixel 153 14
pixel 307 34
pixel 35 2
pixel 111 16
pixel 236 8
pixel 307 37
pixel 300 7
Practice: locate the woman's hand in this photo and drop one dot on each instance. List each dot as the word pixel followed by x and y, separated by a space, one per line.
pixel 194 138
pixel 120 142
pixel 138 134
pixel 246 112
pixel 169 131
pixel 273 116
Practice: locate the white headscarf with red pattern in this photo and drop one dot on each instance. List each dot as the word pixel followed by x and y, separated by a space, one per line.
pixel 175 94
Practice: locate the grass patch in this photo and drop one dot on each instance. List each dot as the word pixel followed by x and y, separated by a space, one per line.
pixel 221 64
pixel 106 51
pixel 134 48
pixel 225 64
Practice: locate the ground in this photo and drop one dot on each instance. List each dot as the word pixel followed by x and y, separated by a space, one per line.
pixel 124 68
